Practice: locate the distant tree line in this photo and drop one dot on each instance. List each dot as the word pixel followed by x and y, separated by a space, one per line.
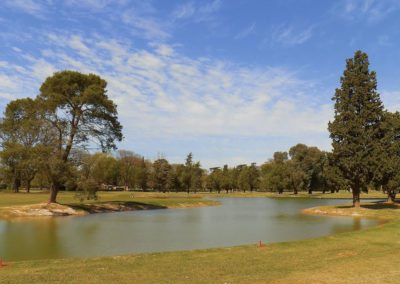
pixel 302 168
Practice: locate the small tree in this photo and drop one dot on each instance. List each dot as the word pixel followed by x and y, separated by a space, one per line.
pixel 161 171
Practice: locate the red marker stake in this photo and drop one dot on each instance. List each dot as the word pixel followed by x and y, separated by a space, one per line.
pixel 2 264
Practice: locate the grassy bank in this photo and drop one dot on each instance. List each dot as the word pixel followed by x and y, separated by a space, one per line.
pixel 107 202
pixel 346 257
pixel 380 210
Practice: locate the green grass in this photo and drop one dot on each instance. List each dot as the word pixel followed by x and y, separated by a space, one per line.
pixel 68 198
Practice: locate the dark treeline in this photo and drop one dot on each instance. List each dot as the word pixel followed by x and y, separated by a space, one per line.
pixel 44 143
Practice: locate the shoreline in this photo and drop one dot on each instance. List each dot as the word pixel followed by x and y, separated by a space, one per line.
pixel 61 210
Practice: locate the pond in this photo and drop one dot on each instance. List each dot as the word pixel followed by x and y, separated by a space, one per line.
pixel 237 221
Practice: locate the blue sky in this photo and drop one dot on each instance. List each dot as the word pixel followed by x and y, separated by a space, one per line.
pixel 230 80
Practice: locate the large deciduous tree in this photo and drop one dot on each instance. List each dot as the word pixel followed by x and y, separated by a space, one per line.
pixel 79 110
pixel 356 128
pixel 306 167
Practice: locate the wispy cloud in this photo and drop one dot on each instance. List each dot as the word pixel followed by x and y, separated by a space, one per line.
pixel 184 11
pixel 369 10
pixel 28 6
pixel 148 27
pixel 246 32
pixel 197 11
pixel 289 36
pixel 95 4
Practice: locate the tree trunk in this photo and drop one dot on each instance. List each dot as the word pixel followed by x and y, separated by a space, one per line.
pixel 356 197
pixel 16 184
pixel 53 195
pixel 295 191
pixel 28 186
pixel 391 196
pixel 54 188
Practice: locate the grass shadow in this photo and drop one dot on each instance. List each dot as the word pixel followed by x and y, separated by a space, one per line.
pixel 115 206
pixel 378 205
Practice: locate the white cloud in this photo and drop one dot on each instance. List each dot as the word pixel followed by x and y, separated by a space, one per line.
pixel 391 99
pixel 165 50
pixel 7 82
pixel 76 43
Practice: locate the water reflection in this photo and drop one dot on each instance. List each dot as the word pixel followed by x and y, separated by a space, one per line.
pixel 238 221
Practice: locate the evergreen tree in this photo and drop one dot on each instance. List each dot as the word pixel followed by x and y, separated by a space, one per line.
pixel 387 175
pixel 356 128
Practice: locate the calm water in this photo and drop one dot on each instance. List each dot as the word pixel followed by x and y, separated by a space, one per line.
pixel 238 221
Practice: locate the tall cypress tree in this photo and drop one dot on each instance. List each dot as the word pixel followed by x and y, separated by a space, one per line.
pixel 356 128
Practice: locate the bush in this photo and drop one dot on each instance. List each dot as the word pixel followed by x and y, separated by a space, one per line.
pixel 87 189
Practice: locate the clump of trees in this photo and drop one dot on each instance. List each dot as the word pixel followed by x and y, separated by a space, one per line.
pixel 71 111
pixel 303 168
